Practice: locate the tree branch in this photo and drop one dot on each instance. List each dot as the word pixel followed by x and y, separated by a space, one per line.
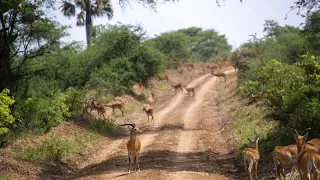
pixel 31 74
pixel 2 21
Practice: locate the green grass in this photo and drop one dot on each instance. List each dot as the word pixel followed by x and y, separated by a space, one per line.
pixel 162 85
pixel 5 177
pixel 56 148
pixel 102 126
pixel 133 107
pixel 249 120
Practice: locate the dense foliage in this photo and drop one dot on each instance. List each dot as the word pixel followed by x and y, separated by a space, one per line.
pixel 283 69
pixel 192 44
pixel 51 81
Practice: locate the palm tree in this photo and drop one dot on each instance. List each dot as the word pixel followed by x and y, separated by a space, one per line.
pixel 88 9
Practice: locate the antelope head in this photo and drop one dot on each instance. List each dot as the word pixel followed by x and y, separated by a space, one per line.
pixel 301 139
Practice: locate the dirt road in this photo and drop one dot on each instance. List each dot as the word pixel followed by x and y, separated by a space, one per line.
pixel 186 141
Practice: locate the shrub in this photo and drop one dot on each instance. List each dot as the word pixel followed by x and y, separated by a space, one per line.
pixel 40 113
pixel 75 101
pixel 6 118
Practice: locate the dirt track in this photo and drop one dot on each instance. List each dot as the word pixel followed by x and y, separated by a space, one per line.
pixel 187 141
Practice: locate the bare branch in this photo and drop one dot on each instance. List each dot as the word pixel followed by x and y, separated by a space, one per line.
pixel 30 75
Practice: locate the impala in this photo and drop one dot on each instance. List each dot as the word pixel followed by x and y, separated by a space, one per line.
pixel 251 157
pixel 190 66
pixel 282 156
pixel 176 63
pixel 190 90
pixel 149 112
pixel 133 146
pixel 219 75
pixel 116 105
pixel 163 77
pixel 151 98
pixel 98 106
pixel 178 87
pixel 308 162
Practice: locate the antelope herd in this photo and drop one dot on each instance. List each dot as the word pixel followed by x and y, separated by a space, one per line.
pixel 304 154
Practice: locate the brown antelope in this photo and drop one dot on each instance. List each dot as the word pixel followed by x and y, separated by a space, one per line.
pixel 116 105
pixel 219 75
pixel 176 63
pixel 283 156
pixel 220 64
pixel 149 112
pixel 315 142
pixel 190 66
pixel 190 90
pixel 308 162
pixel 178 87
pixel 133 146
pixel 99 107
pixel 251 157
pixel 163 77
pixel 212 67
pixel 152 98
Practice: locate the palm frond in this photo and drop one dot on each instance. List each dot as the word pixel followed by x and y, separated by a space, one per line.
pixel 80 18
pixel 101 8
pixel 81 3
pixel 68 9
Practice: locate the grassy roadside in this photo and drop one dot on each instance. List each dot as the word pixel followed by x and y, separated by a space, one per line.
pixel 55 148
pixel 250 119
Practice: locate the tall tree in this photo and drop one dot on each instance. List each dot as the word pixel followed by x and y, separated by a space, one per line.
pixel 25 33
pixel 99 8
pixel 88 9
pixel 270 26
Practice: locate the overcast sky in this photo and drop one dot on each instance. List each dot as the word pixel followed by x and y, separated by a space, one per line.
pixel 234 19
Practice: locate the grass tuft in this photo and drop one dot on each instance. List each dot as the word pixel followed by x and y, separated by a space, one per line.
pixel 54 148
pixel 5 177
pixel 102 126
pixel 134 106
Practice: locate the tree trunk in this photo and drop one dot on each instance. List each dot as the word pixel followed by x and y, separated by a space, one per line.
pixel 5 72
pixel 88 23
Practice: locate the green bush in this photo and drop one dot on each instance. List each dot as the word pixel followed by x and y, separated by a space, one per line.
pixel 41 113
pixel 6 118
pixel 275 80
pixel 75 101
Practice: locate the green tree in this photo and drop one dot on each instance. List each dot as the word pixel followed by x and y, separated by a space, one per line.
pixel 312 31
pixel 88 9
pixel 210 44
pixel 25 33
pixel 269 27
pixel 172 44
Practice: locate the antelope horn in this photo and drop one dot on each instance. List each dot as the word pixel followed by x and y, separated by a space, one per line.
pixel 296 132
pixel 133 125
pixel 306 130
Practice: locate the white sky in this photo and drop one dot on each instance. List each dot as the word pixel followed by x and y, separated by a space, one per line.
pixel 234 19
